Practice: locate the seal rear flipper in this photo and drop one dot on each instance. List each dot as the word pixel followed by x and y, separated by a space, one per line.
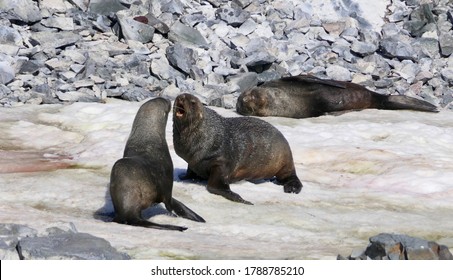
pixel 148 224
pixel 183 211
pixel 402 102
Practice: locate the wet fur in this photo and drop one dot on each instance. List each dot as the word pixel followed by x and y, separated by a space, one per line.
pixel 226 150
pixel 144 176
pixel 307 96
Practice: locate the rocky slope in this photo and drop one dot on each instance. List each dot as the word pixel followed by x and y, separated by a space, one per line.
pixel 54 51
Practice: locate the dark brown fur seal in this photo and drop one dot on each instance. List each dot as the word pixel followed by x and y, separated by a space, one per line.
pixel 144 176
pixel 225 150
pixel 307 96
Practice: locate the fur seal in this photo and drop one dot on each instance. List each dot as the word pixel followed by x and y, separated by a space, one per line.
pixel 225 150
pixel 144 176
pixel 307 96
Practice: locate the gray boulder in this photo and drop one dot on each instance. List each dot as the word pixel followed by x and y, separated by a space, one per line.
pixel 10 36
pixel 394 47
pixel 54 40
pixel 6 73
pixel 181 57
pixel 387 246
pixel 105 7
pixel 21 10
pixel 68 246
pixel 233 16
pixel 446 44
pixel 187 35
pixel 132 28
pixel 62 23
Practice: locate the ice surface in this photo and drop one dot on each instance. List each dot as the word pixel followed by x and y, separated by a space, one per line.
pixel 363 173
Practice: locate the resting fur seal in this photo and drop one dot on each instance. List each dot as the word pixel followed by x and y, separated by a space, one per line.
pixel 144 176
pixel 225 150
pixel 307 96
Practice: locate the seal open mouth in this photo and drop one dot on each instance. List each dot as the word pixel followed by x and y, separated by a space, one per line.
pixel 179 112
pixel 179 109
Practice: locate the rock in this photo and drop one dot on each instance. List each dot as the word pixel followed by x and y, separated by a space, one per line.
pixel 248 27
pixel 171 91
pixel 75 56
pixel 229 101
pixel 58 6
pixel 8 252
pixel 69 96
pixel 21 10
pixel 134 29
pixel 181 57
pixel 393 245
pixel 172 6
pixel 446 44
pixel 10 36
pixel 162 69
pixel 211 42
pixel 447 75
pixel 30 67
pixel 62 23
pixel 54 40
pixel 334 28
pixel 421 20
pixel 362 48
pixel 6 72
pixel 242 3
pixel 16 231
pixel 157 24
pixel 393 47
pixel 57 64
pixel 338 73
pixel 243 81
pixel 387 246
pixel 408 70
pixel 233 16
pixel 427 47
pixel 68 246
pixel 187 35
pixel 105 7
pixel 4 91
pixel 137 94
pixel 259 60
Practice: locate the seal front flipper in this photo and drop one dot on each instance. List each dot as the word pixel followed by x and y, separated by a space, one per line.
pixel 183 211
pixel 291 185
pixel 190 175
pixel 216 185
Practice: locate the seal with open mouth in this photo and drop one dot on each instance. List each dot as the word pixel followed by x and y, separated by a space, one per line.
pixel 226 150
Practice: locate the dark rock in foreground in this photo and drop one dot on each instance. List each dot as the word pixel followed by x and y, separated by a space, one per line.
pixel 22 242
pixel 387 246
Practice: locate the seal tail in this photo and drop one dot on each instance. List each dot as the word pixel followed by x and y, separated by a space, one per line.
pixel 402 102
pixel 181 210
